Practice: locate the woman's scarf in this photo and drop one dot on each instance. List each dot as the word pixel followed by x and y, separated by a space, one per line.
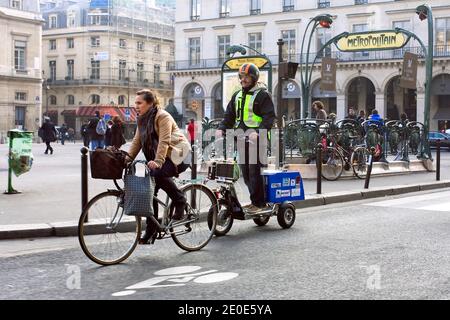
pixel 148 134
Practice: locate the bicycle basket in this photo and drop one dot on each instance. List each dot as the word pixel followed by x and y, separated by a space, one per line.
pixel 107 164
pixel 224 171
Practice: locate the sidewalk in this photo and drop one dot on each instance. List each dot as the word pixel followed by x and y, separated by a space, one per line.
pixel 50 200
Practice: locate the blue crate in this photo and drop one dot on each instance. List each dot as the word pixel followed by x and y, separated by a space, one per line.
pixel 283 186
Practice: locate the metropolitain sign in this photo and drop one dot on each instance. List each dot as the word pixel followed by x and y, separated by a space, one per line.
pixel 382 40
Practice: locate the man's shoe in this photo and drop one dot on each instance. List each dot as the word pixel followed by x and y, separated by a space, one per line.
pixel 247 206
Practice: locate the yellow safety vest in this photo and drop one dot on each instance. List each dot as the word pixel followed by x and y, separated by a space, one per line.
pixel 251 120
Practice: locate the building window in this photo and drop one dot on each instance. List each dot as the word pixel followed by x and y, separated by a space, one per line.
pixel 95 69
pixel 123 43
pixel 19 55
pixel 21 96
pixel 95 99
pixel 70 70
pixel 121 100
pixel 16 4
pixel 442 36
pixel 140 46
pixel 95 41
pixel 195 10
pixel 255 41
pixel 53 22
pixel 224 9
pixel 70 43
pixel 20 117
pixel 71 20
pixel 157 74
pixel 157 48
pixel 52 67
pixel 52 45
pixel 255 7
pixel 172 51
pixel 288 5
pixel 194 51
pixel 323 36
pixel 53 100
pixel 122 69
pixel 140 71
pixel 70 100
pixel 323 4
pixel 96 20
pixel 223 45
pixel 361 1
pixel 289 44
pixel 361 28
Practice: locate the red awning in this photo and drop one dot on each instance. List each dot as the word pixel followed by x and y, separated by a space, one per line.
pixel 69 113
pixel 89 111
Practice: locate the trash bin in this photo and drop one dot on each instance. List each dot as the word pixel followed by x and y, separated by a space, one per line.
pixel 20 155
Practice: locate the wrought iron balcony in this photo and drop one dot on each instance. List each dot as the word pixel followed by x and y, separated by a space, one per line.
pixel 342 57
pixel 323 4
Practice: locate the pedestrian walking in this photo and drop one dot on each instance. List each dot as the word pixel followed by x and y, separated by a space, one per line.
pixel 63 133
pixel 85 134
pixel 48 134
pixel 97 131
pixel 191 128
pixel 108 134
pixel 117 138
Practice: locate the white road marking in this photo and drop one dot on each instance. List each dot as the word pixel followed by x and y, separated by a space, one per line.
pixel 410 200
pixel 216 277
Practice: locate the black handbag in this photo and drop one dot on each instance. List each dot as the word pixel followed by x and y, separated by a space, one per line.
pixel 107 164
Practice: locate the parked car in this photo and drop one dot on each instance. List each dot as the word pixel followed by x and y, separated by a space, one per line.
pixel 433 136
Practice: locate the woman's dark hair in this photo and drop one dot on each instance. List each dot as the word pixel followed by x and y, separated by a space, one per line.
pixel 318 104
pixel 149 97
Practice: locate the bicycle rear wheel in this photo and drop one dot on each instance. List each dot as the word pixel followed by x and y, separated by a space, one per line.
pixel 359 161
pixel 197 229
pixel 333 164
pixel 106 235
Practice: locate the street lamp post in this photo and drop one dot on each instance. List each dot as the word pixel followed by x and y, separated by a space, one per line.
pixel 325 21
pixel 425 12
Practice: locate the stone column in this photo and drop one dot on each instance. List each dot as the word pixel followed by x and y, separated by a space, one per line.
pixel 380 104
pixel 341 108
pixel 420 106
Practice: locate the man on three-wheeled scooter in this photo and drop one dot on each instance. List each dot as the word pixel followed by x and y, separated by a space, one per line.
pixel 251 111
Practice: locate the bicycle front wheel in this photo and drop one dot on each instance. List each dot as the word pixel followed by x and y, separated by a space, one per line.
pixel 359 161
pixel 106 235
pixel 197 229
pixel 333 164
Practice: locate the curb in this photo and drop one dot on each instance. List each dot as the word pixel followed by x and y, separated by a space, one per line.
pixel 70 229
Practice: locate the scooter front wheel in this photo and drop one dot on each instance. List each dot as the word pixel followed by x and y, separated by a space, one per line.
pixel 224 220
pixel 286 216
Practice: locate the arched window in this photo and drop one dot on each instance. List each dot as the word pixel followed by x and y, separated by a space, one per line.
pixel 70 100
pixel 121 100
pixel 95 99
pixel 53 100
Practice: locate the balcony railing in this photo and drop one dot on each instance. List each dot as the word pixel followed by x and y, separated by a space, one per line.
pixel 342 57
pixel 288 8
pixel 254 12
pixel 145 83
pixel 361 1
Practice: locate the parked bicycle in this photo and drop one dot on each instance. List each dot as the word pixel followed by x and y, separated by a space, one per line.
pixel 107 236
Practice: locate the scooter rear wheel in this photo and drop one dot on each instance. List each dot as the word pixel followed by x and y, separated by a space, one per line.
pixel 286 217
pixel 261 221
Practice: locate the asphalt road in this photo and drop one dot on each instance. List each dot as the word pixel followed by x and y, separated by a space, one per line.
pixel 394 248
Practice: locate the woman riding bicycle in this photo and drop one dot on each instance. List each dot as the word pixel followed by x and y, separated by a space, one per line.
pixel 164 147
